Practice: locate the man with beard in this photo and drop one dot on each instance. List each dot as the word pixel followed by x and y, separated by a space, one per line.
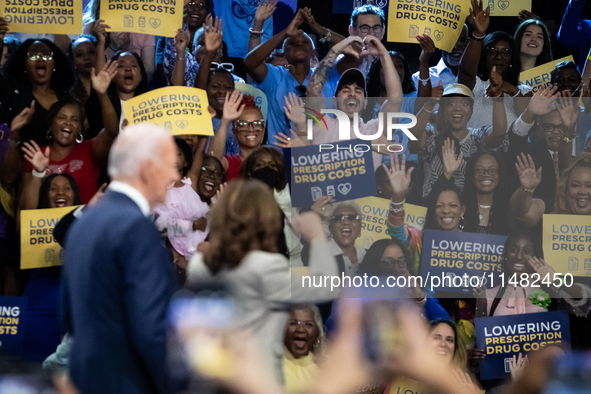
pixel 446 70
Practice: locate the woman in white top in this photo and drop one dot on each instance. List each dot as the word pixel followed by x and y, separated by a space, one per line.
pixel 243 253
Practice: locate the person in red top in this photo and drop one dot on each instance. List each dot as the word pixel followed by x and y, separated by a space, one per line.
pixel 249 130
pixel 68 152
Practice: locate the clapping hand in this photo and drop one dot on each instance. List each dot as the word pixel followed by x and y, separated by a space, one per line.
pixel 102 79
pixel 34 155
pixel 529 177
pixel 232 106
pixel 495 87
pixel 450 162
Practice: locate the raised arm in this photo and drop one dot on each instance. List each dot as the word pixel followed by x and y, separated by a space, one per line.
pixel 569 34
pixel 495 135
pixel 318 79
pixel 264 11
pixel 213 36
pixel 99 30
pixel 399 178
pixel 234 109
pixel 568 108
pixel 31 184
pixel 104 140
pixel 181 41
pixel 469 64
pixel 255 60
pixel 321 32
pixel 450 162
pixel 428 49
pixel 11 164
pixel 195 169
pixel 528 210
pixel 423 118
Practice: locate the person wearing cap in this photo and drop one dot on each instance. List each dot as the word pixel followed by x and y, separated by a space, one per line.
pixel 277 81
pixel 455 110
pixel 350 96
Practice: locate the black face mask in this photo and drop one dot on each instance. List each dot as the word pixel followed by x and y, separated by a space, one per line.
pixel 268 175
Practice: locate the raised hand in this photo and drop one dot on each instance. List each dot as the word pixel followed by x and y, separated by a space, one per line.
pixel 450 162
pixel 529 177
pixel 495 87
pixel 398 175
pixel 480 17
pixel 23 118
pixel 320 205
pixel 437 92
pixel 293 28
pixel 568 109
pixel 517 366
pixel 265 10
pixel 427 46
pixel 540 102
pixel 181 41
pixel 316 27
pixel 309 225
pixel 347 46
pixel 294 110
pixel 99 30
pixel 232 107
pixel 102 79
pixel 541 267
pixel 34 155
pixel 212 33
pixel 3 28
pixel 283 141
pixel 525 15
pixel 373 46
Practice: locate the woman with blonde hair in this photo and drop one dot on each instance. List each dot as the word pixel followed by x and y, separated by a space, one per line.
pixel 243 253
pixel 573 194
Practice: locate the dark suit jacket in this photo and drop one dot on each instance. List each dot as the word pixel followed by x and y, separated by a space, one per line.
pixel 117 284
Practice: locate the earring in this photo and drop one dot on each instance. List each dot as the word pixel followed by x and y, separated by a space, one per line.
pixel 461 223
pixel 54 69
pixel 48 135
pixel 81 138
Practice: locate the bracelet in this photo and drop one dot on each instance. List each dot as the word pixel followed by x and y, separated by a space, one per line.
pixel 424 81
pixel 39 174
pixel 255 34
pixel 426 110
pixel 397 203
pixel 396 210
pixel 528 190
pixel 478 38
pixel 327 37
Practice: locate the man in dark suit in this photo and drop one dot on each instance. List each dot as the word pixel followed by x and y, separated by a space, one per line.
pixel 117 277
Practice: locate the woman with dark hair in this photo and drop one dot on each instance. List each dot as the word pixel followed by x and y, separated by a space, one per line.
pixel 83 57
pixel 184 214
pixel 68 152
pixel 36 76
pixel 533 41
pixel 490 67
pixel 43 331
pixel 444 334
pixel 244 224
pixel 486 195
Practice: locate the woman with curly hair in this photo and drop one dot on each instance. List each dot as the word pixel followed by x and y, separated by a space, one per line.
pixel 37 75
pixel 244 224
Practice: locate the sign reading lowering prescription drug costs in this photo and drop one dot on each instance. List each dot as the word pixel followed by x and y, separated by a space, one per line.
pixel 502 337
pixel 442 20
pixel 507 7
pixel 454 261
pixel 567 243
pixel 13 311
pixel 155 17
pixel 539 77
pixel 179 109
pixel 43 16
pixel 336 169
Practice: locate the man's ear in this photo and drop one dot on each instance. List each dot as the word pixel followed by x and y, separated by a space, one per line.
pixel 351 30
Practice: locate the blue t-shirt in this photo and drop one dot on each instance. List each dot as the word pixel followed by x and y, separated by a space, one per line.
pixel 232 147
pixel 237 17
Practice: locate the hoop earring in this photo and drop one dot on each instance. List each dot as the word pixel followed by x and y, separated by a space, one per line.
pixel 48 135
pixel 461 223
pixel 81 138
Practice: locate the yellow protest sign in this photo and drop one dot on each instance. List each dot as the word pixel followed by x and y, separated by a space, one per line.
pixel 507 7
pixel 539 77
pixel 442 20
pixel 179 109
pixel 38 247
pixel 567 243
pixel 375 218
pixel 156 17
pixel 260 98
pixel 43 16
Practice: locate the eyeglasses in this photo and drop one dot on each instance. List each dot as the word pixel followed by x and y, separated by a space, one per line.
pixel 390 262
pixel 216 174
pixel 489 171
pixel 505 52
pixel 551 127
pixel 307 324
pixel 243 125
pixel 193 4
pixel 340 218
pixel 38 56
pixel 377 29
pixel 224 66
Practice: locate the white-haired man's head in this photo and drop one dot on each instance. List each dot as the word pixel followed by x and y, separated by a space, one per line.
pixel 144 157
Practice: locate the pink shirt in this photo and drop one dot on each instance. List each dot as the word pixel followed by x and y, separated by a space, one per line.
pixel 515 301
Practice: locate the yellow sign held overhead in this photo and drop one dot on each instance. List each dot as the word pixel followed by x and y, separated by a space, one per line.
pixel 442 20
pixel 539 77
pixel 43 16
pixel 38 247
pixel 507 7
pixel 156 17
pixel 179 109
pixel 567 243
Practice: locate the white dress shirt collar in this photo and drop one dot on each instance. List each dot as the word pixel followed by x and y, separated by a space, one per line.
pixel 135 195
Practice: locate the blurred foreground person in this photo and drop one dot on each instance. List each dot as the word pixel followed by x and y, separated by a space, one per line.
pixel 117 278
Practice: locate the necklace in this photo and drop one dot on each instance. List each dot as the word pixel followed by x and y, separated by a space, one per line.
pixel 484 206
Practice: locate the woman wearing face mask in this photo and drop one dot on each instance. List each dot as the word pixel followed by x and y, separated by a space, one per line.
pixel 533 40
pixel 43 332
pixel 36 76
pixel 304 340
pixel 83 57
pixel 68 151
pixel 248 126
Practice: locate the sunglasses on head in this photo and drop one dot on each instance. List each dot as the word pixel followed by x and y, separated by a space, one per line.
pixel 224 66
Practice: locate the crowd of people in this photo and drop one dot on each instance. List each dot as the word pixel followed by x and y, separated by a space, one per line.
pixel 486 155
